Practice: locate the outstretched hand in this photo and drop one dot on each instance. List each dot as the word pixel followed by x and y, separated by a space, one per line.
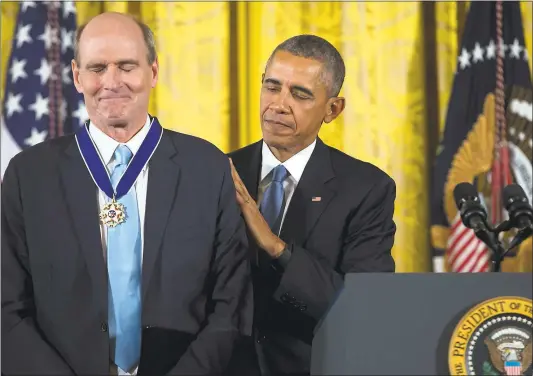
pixel 255 222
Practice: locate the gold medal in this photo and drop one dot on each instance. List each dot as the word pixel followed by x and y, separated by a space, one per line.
pixel 113 214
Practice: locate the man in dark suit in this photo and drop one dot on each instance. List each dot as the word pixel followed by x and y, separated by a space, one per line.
pixel 313 212
pixel 74 300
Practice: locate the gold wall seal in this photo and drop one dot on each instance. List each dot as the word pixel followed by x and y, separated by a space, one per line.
pixel 493 338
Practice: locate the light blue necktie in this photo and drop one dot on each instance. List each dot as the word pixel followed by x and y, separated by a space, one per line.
pixel 124 268
pixel 273 200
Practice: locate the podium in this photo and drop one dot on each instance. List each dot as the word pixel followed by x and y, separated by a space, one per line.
pixel 427 324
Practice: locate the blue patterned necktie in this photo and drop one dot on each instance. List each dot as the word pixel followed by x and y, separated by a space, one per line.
pixel 124 268
pixel 272 204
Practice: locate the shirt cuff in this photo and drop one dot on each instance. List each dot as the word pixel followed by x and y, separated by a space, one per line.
pixel 281 262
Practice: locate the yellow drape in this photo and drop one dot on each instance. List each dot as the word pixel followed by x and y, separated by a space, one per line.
pixel 386 125
pixel 9 18
pixel 384 121
pixel 193 89
pixel 447 44
pixel 526 8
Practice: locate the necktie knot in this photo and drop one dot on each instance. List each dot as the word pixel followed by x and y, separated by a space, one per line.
pixel 123 155
pixel 280 174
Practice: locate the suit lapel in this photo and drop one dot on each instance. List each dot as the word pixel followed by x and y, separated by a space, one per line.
pixel 248 166
pixel 163 178
pixel 250 172
pixel 315 190
pixel 81 195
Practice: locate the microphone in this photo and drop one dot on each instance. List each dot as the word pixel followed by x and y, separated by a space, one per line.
pixel 518 207
pixel 472 212
pixel 520 213
pixel 474 216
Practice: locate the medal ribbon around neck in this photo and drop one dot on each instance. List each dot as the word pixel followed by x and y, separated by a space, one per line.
pixel 98 170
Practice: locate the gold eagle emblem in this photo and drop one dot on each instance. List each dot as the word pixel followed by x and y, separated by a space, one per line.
pixel 509 344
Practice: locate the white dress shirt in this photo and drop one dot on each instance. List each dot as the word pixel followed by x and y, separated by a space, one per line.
pixel 106 147
pixel 295 165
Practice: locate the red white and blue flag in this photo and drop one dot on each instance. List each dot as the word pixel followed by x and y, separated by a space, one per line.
pixel 40 100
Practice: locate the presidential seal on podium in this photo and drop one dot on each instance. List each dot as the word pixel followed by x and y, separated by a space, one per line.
pixel 493 338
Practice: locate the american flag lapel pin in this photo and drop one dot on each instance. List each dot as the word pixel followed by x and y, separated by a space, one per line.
pixel 316 198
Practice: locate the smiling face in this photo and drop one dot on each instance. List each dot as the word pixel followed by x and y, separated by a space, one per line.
pixel 294 102
pixel 113 73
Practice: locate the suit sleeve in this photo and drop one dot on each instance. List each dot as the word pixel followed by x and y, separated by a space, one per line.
pixel 232 299
pixel 24 350
pixel 367 248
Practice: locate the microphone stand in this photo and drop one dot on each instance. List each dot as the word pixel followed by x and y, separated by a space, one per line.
pixel 497 257
pixel 498 251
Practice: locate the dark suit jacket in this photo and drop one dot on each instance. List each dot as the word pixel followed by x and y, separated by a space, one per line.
pixel 195 277
pixel 350 229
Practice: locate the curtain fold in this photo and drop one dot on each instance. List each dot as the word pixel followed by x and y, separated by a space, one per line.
pixel 386 122
pixel 192 95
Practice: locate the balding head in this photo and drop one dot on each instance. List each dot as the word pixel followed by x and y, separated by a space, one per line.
pixel 115 71
pixel 118 20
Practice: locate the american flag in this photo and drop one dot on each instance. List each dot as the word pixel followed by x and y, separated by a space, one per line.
pixel 40 100
pixel 475 78
pixel 466 253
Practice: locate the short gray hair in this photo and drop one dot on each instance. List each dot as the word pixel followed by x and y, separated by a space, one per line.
pixel 319 49
pixel 148 37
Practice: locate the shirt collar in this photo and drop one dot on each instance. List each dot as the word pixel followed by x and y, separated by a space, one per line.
pixel 295 164
pixel 106 145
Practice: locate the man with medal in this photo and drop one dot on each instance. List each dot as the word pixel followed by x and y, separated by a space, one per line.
pixel 313 213
pixel 123 248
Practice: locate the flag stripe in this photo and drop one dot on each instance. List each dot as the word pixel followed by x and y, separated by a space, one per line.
pixel 457 235
pixel 464 253
pixel 462 242
pixel 483 263
pixel 478 251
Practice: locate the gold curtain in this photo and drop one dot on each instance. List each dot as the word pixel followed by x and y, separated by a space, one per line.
pixel 212 55
pixel 447 44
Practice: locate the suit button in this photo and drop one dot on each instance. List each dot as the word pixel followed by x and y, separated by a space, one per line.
pixel 285 298
pixel 103 327
pixel 303 307
pixel 261 339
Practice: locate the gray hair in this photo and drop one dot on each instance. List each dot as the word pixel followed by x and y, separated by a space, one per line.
pixel 148 37
pixel 319 49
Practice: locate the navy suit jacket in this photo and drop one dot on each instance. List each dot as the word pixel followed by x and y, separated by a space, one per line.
pixel 339 220
pixel 196 284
